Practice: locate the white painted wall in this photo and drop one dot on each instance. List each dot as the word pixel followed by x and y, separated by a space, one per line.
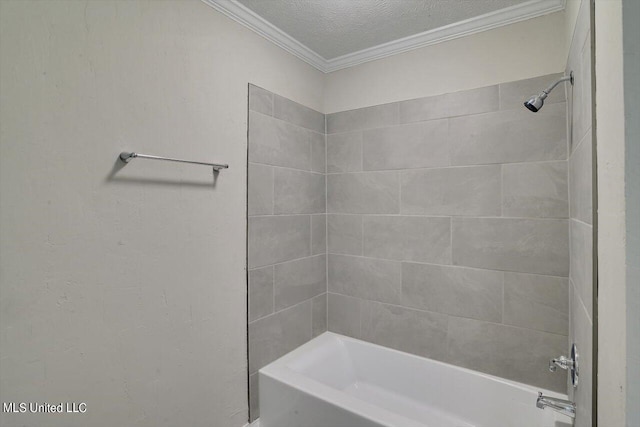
pixel 125 287
pixel 611 214
pixel 522 50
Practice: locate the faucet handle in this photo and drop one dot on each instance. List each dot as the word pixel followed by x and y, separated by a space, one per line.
pixel 562 361
pixel 568 364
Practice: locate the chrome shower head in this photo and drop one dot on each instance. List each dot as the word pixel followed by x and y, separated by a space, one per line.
pixel 536 102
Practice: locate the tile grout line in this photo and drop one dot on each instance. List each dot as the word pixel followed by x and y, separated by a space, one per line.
pixel 454 266
pixel 287 308
pixel 273 191
pixel 273 291
pixel 326 223
pixel 502 190
pixel 451 238
pixel 273 116
pixel 579 221
pixel 418 215
pixel 399 178
pixel 285 262
pixel 286 168
pixel 503 290
pixel 447 166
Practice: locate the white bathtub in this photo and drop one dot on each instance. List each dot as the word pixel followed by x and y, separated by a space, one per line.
pixel 335 381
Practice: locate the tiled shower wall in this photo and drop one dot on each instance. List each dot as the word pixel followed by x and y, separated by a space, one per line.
pixel 447 228
pixel 287 230
pixel 445 220
pixel 581 212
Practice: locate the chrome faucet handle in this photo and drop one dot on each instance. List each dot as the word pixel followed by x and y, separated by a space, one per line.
pixel 563 362
pixel 568 364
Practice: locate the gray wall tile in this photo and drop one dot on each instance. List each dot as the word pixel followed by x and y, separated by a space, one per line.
pixel 363 118
pixel 408 146
pixel 582 262
pixel 473 101
pixel 319 314
pixel 344 315
pixel 421 109
pixel 297 114
pixel 299 192
pixel 537 302
pixel 509 136
pixel 368 192
pixel 260 100
pixel 278 143
pixel 318 152
pixel 466 292
pixel 274 336
pixel 536 190
pixel 514 353
pixel 406 238
pixel 464 191
pixel 274 239
pixel 521 245
pixel 345 234
pixel 450 105
pixel 581 181
pixel 299 280
pixel 514 94
pixel 260 184
pixel 287 175
pixel 254 398
pixel 367 278
pixel 344 152
pixel 260 292
pixel 414 331
pixel 318 234
pixel 580 92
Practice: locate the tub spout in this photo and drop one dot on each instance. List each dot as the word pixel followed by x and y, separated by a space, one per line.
pixel 565 407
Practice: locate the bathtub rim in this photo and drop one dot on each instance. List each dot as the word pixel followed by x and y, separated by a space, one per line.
pixel 274 367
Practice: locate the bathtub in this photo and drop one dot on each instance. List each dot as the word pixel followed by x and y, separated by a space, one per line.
pixel 336 381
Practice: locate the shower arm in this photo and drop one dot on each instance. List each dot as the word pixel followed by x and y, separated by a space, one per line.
pixel 568 78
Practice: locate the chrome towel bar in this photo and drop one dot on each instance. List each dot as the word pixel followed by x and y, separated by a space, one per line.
pixel 126 157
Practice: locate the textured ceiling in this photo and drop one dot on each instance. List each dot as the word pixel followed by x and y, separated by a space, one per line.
pixel 334 28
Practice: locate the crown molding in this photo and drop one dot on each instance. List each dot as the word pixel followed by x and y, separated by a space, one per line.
pixel 488 21
pixel 245 16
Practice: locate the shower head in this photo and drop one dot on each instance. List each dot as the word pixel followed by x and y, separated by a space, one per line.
pixel 536 102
